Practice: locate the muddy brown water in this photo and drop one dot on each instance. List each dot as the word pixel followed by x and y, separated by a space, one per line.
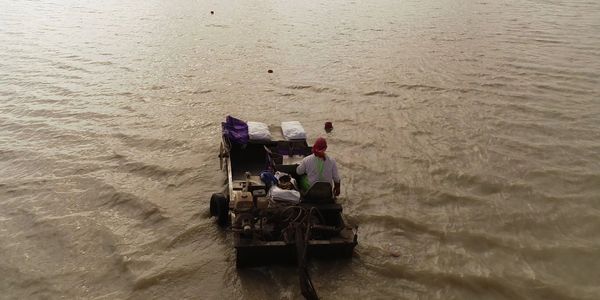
pixel 467 134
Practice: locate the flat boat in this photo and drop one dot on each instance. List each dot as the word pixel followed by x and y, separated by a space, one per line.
pixel 265 232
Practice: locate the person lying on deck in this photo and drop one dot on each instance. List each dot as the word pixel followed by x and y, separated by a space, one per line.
pixel 319 167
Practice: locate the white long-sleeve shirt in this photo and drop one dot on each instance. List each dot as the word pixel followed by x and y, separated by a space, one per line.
pixel 310 166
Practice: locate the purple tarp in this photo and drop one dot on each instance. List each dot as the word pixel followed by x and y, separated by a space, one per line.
pixel 236 130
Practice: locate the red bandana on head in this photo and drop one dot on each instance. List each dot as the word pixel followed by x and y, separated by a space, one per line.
pixel 319 148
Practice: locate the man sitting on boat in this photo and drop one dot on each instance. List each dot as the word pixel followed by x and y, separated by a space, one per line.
pixel 319 167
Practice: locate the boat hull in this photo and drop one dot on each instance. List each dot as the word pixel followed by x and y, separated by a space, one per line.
pixel 251 253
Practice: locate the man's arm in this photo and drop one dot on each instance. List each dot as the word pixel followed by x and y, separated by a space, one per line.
pixel 336 180
pixel 336 188
pixel 301 168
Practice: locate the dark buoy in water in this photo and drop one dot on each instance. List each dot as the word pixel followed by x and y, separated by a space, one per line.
pixel 270 71
pixel 328 127
pixel 212 12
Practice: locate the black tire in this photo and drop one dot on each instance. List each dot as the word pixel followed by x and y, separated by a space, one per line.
pixel 214 203
pixel 222 211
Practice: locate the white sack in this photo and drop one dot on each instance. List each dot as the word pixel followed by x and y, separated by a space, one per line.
pixel 258 131
pixel 293 130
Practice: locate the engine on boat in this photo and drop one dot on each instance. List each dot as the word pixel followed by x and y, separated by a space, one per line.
pixel 248 205
pixel 252 219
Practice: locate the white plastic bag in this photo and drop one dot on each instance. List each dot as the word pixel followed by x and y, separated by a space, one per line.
pixel 293 130
pixel 258 131
pixel 280 195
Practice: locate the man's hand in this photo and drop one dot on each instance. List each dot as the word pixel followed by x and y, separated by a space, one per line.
pixel 336 188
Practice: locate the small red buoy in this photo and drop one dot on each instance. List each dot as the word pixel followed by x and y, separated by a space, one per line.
pixel 328 127
pixel 270 71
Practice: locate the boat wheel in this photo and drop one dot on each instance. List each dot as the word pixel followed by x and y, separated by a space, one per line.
pixel 222 211
pixel 214 203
